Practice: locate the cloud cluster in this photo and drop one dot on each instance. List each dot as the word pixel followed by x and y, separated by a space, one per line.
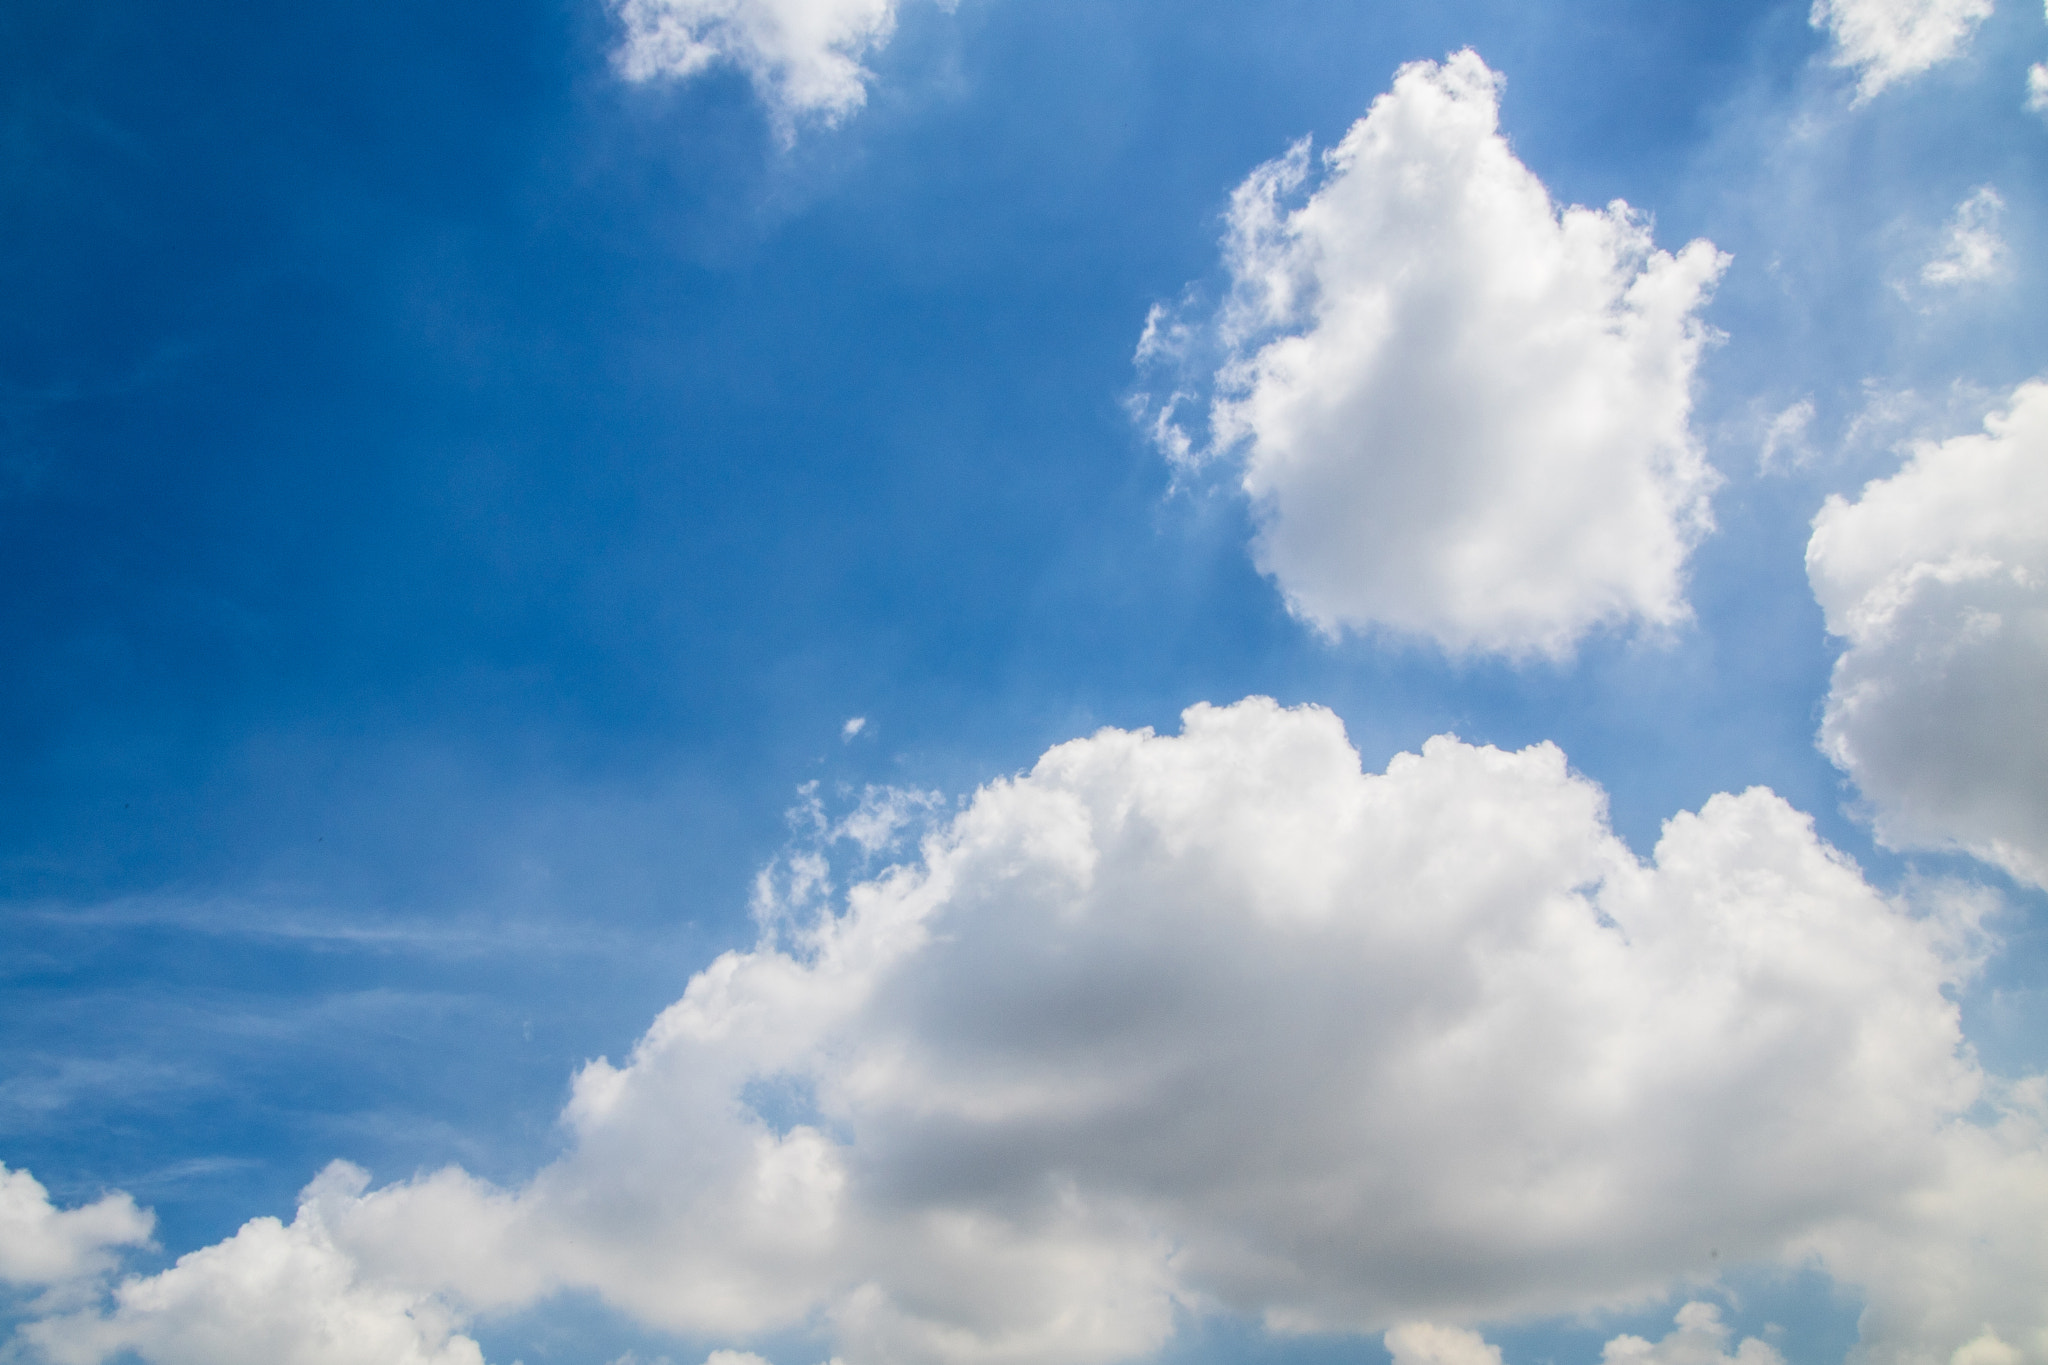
pixel 1885 41
pixel 1214 1021
pixel 803 56
pixel 1937 578
pixel 1463 414
pixel 273 1294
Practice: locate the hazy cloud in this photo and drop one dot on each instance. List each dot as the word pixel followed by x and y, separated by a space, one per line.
pixel 1972 250
pixel 1886 41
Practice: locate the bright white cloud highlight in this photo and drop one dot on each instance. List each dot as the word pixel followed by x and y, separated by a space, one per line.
pixel 1972 251
pixel 1886 41
pixel 2037 88
pixel 804 57
pixel 1937 578
pixel 42 1245
pixel 273 1294
pixel 1462 414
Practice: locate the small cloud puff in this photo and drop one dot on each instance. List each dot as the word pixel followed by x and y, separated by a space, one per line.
pixel 1461 412
pixel 804 57
pixel 1886 41
pixel 853 726
pixel 43 1246
pixel 1972 251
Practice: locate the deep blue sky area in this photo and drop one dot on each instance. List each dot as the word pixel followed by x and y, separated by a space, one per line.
pixel 451 498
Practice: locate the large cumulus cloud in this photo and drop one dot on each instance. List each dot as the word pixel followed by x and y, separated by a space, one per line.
pixel 1462 413
pixel 1220 1021
pixel 1937 578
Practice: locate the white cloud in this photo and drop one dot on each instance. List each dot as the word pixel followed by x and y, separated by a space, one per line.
pixel 1220 1021
pixel 1463 414
pixel 1701 1339
pixel 853 726
pixel 2037 88
pixel 42 1245
pixel 273 1294
pixel 1937 577
pixel 1889 40
pixel 1423 1343
pixel 803 56
pixel 1973 251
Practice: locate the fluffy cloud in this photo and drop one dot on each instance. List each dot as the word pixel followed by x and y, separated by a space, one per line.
pixel 803 56
pixel 1938 579
pixel 270 1295
pixel 1463 414
pixel 1218 1021
pixel 1889 40
pixel 1701 1339
pixel 1972 251
pixel 1424 1343
pixel 42 1245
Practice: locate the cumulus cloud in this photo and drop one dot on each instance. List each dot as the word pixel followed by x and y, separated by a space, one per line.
pixel 2037 88
pixel 1955 1272
pixel 1885 41
pixel 1972 251
pixel 1461 413
pixel 1937 577
pixel 1424 1343
pixel 804 57
pixel 1220 1021
pixel 1701 1339
pixel 273 1294
pixel 42 1245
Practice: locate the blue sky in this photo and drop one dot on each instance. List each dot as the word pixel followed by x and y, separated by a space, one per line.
pixel 454 496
